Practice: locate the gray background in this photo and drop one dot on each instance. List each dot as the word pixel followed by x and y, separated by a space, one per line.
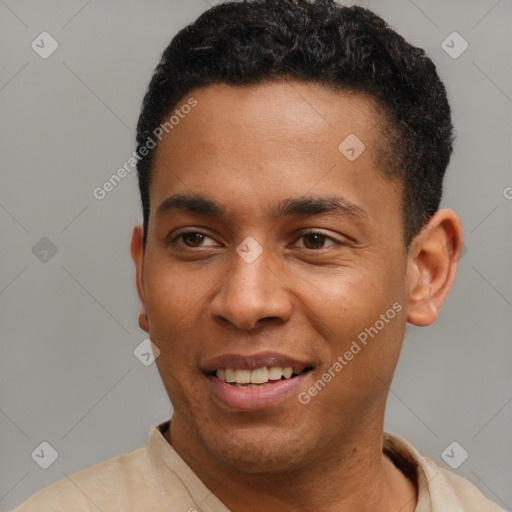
pixel 68 373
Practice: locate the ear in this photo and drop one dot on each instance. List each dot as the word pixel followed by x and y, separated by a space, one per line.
pixel 432 263
pixel 137 250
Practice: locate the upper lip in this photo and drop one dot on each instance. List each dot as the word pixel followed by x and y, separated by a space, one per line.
pixel 253 361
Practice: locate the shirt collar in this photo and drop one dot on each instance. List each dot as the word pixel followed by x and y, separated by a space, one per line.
pixel 402 453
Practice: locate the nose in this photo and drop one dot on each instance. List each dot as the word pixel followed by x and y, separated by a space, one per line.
pixel 252 293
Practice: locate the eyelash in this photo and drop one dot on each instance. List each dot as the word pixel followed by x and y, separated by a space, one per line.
pixel 174 241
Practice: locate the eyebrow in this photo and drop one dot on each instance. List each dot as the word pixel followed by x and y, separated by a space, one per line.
pixel 291 207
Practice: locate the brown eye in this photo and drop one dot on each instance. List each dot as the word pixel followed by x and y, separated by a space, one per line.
pixel 192 239
pixel 314 240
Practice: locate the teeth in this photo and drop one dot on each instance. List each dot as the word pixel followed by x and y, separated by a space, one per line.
pixel 242 376
pixel 275 372
pixel 287 372
pixel 229 376
pixel 257 376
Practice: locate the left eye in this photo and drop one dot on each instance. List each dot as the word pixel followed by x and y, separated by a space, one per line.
pixel 313 240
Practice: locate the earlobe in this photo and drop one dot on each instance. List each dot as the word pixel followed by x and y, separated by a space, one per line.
pixel 137 251
pixel 143 319
pixel 433 258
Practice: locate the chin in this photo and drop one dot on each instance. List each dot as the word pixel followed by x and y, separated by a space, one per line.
pixel 258 450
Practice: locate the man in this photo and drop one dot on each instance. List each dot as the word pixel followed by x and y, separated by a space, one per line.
pixel 291 160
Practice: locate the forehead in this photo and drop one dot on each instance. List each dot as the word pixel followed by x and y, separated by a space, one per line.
pixel 284 119
pixel 271 141
pixel 294 112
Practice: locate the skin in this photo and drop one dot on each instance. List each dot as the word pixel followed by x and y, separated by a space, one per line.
pixel 305 297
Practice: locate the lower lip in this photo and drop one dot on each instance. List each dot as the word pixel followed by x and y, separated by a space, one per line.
pixel 253 399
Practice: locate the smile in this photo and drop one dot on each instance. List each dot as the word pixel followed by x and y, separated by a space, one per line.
pixel 247 378
pixel 252 382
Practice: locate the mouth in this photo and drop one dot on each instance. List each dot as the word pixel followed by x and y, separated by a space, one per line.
pixel 255 382
pixel 258 377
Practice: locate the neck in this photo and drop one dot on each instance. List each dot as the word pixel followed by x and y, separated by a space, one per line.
pixel 356 477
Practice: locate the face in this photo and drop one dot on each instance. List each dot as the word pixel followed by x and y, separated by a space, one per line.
pixel 269 250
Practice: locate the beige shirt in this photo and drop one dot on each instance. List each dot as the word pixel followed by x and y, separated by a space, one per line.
pixel 155 478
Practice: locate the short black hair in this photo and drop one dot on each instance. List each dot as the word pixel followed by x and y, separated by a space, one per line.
pixel 344 48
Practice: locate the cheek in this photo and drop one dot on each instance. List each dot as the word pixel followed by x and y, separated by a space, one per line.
pixel 174 302
pixel 174 294
pixel 348 300
pixel 361 315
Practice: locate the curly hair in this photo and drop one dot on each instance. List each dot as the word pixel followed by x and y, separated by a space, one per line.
pixel 344 48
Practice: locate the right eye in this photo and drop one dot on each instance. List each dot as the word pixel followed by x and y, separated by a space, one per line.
pixel 190 239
